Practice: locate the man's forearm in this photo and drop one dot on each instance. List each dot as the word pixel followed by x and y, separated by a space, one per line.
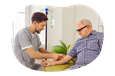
pixel 62 61
pixel 45 51
pixel 38 55
pixel 42 50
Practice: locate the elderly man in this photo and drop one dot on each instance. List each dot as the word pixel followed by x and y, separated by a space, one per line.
pixel 86 48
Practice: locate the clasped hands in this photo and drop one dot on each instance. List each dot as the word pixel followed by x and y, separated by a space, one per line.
pixel 56 57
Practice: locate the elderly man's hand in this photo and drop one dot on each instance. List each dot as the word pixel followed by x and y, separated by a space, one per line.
pixel 57 57
pixel 45 63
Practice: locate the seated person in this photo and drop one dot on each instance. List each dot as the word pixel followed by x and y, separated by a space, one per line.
pixel 86 48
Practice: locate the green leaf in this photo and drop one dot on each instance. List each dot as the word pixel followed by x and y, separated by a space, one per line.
pixel 63 44
pixel 59 49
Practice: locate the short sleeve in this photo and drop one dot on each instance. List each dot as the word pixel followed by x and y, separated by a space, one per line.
pixel 24 40
pixel 73 51
pixel 39 44
pixel 101 40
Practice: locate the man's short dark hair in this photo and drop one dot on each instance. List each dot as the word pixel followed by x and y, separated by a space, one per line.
pixel 39 17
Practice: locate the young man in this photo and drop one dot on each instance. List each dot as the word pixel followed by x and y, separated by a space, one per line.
pixel 86 48
pixel 27 43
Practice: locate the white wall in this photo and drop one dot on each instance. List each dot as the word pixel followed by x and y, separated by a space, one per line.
pixel 27 16
pixel 69 25
pixel 54 34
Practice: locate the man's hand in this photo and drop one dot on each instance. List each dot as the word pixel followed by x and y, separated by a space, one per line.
pixel 57 57
pixel 45 63
pixel 65 60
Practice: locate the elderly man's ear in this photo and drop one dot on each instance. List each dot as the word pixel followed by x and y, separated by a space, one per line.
pixel 88 26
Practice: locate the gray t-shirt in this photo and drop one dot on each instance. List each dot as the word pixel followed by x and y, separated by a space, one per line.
pixel 23 40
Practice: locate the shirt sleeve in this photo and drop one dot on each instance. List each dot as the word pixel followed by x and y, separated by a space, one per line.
pixel 84 58
pixel 24 40
pixel 101 40
pixel 73 51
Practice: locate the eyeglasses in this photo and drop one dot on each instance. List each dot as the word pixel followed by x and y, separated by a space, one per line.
pixel 79 30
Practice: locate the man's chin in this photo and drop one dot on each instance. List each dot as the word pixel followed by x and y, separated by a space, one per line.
pixel 82 37
pixel 37 32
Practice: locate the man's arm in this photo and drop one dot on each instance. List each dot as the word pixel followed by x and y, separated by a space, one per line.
pixel 37 55
pixel 72 54
pixel 42 50
pixel 65 60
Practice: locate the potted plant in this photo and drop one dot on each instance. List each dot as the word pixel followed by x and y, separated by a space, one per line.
pixel 60 49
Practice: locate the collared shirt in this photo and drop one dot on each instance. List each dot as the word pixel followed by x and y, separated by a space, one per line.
pixel 87 49
pixel 23 40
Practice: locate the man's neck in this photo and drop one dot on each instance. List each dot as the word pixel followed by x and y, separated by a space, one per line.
pixel 31 29
pixel 89 32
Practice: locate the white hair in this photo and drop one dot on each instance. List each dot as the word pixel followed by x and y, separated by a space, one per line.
pixel 86 22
